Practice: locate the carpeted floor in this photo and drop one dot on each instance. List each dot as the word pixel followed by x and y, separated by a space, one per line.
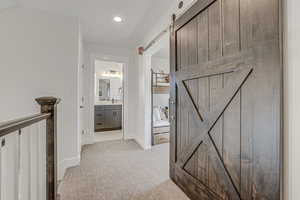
pixel 108 136
pixel 120 170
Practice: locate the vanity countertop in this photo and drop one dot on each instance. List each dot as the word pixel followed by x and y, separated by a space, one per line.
pixel 99 103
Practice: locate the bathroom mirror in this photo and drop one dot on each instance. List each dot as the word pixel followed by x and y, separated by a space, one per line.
pixel 104 89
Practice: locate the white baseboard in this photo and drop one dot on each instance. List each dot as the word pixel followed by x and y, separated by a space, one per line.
pixel 87 142
pixel 141 144
pixel 65 164
pixel 88 138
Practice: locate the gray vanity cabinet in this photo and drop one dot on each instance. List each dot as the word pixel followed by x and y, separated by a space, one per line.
pixel 108 117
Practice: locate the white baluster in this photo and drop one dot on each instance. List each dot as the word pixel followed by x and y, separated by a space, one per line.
pixel 1 163
pixel 25 164
pixel 18 162
pixel 42 160
pixel 9 168
pixel 4 175
pixel 34 162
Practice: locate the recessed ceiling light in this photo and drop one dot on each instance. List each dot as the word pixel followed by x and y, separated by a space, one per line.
pixel 118 19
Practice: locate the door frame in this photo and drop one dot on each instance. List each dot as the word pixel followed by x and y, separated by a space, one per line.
pixel 91 89
pixel 146 67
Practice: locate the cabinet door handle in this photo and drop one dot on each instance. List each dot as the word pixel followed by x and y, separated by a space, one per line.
pixel 99 123
pixel 99 115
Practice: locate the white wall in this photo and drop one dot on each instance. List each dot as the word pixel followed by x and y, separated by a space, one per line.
pixel 4 4
pixel 39 57
pixel 292 99
pixel 129 58
pixel 159 64
pixel 144 98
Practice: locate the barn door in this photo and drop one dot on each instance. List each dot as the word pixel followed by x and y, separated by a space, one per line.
pixel 226 100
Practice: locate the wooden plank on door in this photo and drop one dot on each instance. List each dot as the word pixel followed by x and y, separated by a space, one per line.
pixel 231 116
pixel 232 137
pixel 231 26
pixel 192 35
pixel 183 38
pixel 203 37
pixel 260 30
pixel 215 32
pixel 202 153
pixel 192 165
pixel 259 21
pixel 178 50
pixel 216 84
pixel 178 125
pixel 184 119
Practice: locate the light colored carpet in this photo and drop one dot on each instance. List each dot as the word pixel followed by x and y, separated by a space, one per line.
pixel 120 170
pixel 108 136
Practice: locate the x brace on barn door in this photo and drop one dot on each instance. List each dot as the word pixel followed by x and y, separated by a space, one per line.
pixel 209 119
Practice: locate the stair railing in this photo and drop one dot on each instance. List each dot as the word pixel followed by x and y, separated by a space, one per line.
pixel 48 116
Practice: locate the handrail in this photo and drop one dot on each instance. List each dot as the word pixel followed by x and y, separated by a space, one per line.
pixel 48 113
pixel 15 125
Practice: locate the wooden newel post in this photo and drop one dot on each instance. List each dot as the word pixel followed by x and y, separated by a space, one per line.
pixel 48 105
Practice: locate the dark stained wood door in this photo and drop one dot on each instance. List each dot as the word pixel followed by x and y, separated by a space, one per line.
pixel 225 107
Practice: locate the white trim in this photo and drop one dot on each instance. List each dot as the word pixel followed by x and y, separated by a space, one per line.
pixel 141 144
pixel 65 164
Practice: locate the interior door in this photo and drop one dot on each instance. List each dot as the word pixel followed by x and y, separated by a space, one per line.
pixel 226 100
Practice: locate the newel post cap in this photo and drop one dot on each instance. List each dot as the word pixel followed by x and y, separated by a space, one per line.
pixel 47 101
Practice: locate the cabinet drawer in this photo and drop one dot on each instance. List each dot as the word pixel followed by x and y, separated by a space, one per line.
pixel 112 107
pixel 99 125
pixel 98 108
pixel 99 119
pixel 99 114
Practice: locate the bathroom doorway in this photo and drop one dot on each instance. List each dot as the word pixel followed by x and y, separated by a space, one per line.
pixel 108 101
